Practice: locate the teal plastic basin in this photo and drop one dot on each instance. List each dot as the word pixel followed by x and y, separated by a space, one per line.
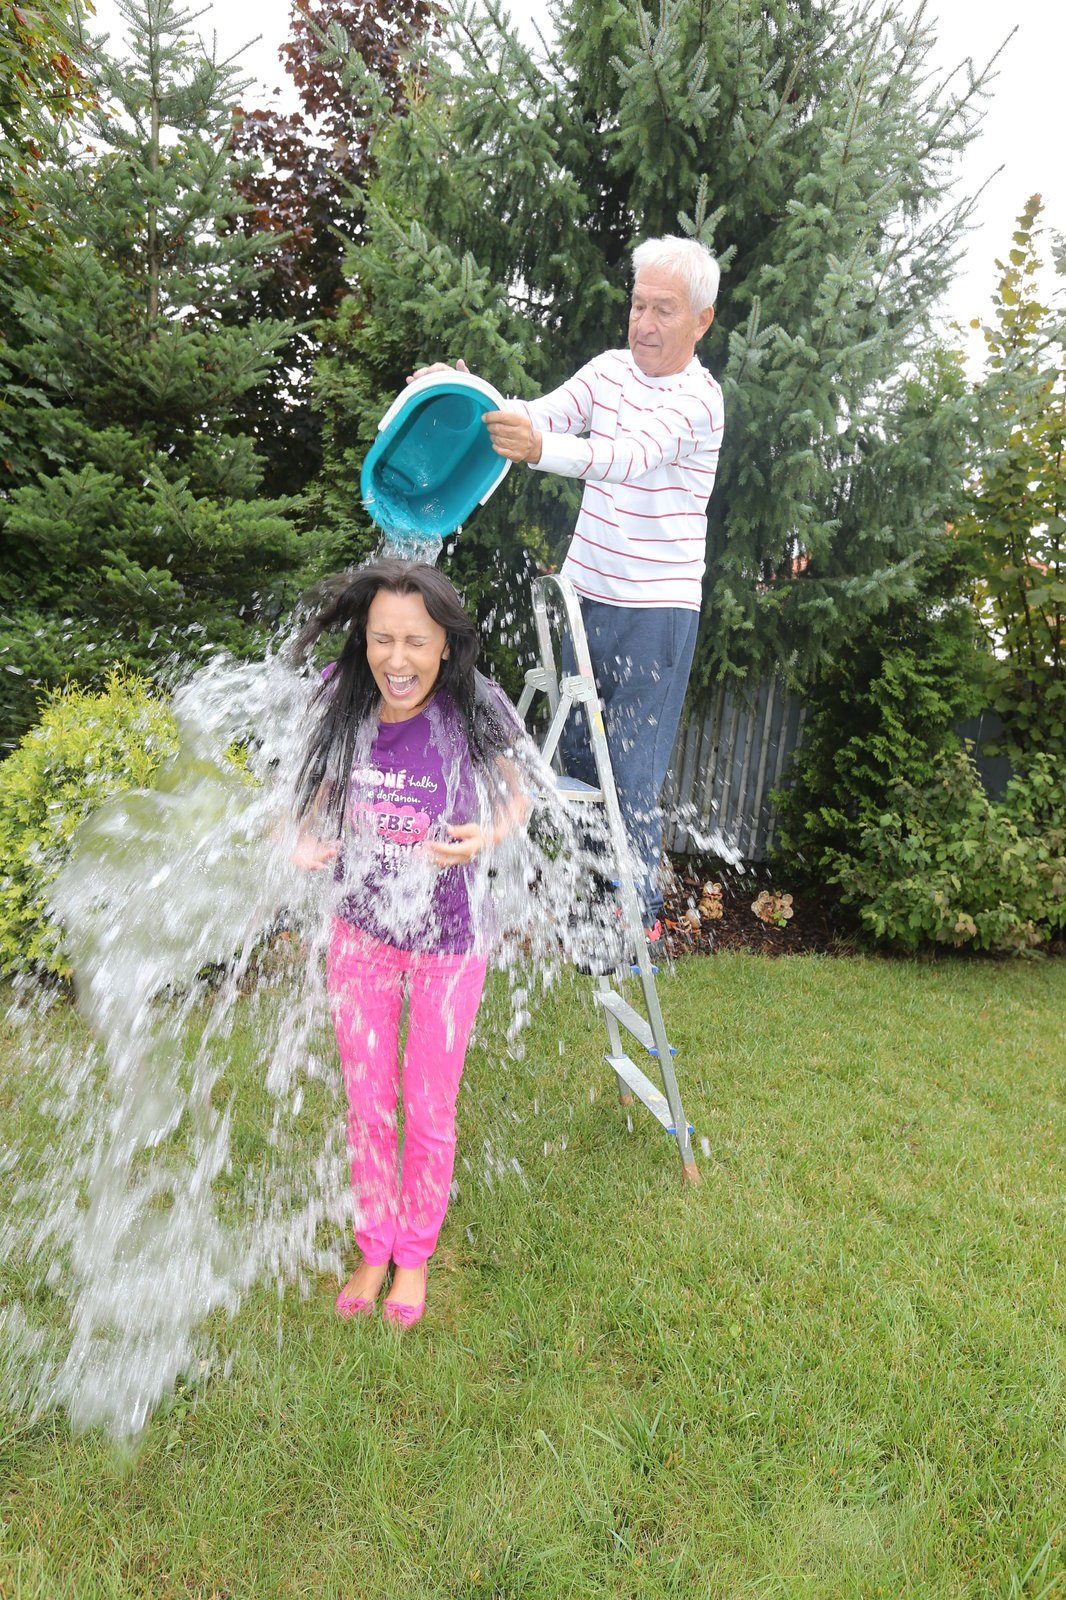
pixel 432 462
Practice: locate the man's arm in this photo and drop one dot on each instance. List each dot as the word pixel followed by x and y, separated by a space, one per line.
pixel 674 432
pixel 681 427
pixel 542 432
pixel 516 432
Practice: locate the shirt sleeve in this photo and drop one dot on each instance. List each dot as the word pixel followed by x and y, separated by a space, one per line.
pixel 565 410
pixel 682 427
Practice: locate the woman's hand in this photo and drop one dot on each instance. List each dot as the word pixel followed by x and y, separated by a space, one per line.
pixel 314 854
pixel 467 841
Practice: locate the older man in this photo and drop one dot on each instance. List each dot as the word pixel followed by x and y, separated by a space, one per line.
pixel 650 422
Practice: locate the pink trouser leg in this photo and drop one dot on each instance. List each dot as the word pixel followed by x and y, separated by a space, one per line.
pixel 366 982
pixel 366 987
pixel 445 992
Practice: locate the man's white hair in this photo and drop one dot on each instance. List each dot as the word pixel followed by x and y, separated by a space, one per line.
pixel 689 260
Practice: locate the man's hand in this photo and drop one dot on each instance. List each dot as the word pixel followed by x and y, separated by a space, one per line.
pixel 438 366
pixel 513 436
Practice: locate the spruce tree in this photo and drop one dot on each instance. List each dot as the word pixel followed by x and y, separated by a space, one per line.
pixel 808 143
pixel 142 529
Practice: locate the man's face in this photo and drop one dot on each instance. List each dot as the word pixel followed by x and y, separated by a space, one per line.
pixel 663 328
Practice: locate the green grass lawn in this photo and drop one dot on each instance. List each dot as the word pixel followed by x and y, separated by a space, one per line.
pixel 837 1367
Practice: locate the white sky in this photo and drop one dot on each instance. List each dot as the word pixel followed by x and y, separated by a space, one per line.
pixel 1022 133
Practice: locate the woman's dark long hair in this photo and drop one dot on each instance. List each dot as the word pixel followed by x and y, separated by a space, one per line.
pixel 350 699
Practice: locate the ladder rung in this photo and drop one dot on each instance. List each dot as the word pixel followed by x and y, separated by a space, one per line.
pixel 645 1091
pixel 631 1020
pixel 573 789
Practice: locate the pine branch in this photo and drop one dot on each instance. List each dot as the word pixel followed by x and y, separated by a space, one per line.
pixel 784 100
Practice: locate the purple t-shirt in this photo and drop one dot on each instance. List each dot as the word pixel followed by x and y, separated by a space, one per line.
pixel 416 778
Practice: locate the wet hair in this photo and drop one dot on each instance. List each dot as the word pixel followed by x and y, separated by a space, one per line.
pixel 691 261
pixel 349 699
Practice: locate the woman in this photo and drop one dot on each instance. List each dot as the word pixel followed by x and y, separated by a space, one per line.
pixel 407 785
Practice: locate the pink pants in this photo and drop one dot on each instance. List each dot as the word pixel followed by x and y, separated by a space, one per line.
pixel 400 1220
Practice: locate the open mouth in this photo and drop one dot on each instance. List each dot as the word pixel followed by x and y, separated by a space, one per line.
pixel 400 686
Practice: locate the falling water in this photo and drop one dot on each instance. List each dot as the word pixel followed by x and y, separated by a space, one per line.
pixel 704 838
pixel 138 1219
pixel 409 543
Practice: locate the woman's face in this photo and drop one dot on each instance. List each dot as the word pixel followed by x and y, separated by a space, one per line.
pixel 404 650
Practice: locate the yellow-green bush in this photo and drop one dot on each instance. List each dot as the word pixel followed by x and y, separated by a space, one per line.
pixel 87 746
pixel 945 864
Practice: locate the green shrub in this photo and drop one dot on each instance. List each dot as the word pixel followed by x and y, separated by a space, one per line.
pixel 884 710
pixel 86 747
pixel 944 864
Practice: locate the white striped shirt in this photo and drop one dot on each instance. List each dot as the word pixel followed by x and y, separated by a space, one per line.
pixel 648 465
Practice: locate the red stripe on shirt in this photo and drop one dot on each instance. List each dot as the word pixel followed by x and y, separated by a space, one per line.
pixel 613 550
pixel 572 559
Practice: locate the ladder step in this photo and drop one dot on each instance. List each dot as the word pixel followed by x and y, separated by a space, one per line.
pixel 631 1020
pixel 573 789
pixel 646 1092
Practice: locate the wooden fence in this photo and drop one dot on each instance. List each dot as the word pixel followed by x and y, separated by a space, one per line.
pixel 725 763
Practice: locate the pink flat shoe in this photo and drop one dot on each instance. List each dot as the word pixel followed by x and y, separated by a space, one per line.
pixel 354 1305
pixel 402 1316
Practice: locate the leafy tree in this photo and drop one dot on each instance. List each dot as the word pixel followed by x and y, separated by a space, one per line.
pixel 885 710
pixel 990 630
pixel 41 81
pixel 142 529
pixel 809 145
pixel 1016 528
pixel 307 163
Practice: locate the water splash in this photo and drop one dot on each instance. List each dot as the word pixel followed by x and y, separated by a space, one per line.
pixel 703 837
pixel 166 900
pixel 137 1220
pixel 410 544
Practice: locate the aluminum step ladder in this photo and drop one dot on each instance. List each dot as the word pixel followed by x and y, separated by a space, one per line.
pixel 648 1029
